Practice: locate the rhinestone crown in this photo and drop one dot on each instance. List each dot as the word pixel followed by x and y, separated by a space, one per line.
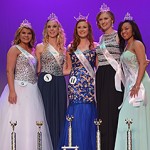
pixel 25 23
pixel 104 8
pixel 80 17
pixel 52 16
pixel 128 16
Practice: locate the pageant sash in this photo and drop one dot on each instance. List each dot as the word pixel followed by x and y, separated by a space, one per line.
pixel 52 50
pixel 135 101
pixel 116 66
pixel 32 60
pixel 85 63
pixel 21 83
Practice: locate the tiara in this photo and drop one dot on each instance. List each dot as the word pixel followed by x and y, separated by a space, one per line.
pixel 104 8
pixel 128 16
pixel 81 17
pixel 25 23
pixel 52 16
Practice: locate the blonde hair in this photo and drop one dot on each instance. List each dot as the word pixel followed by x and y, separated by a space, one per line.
pixel 61 38
pixel 17 40
pixel 99 14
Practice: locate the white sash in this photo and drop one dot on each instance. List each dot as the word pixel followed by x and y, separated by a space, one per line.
pixel 116 66
pixel 135 101
pixel 85 63
pixel 32 60
pixel 52 50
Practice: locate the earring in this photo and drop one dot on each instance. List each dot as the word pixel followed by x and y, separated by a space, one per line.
pixel 58 36
pixel 112 24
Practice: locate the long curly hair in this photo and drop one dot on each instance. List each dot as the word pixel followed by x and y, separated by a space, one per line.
pixel 76 38
pixel 17 40
pixel 135 33
pixel 61 37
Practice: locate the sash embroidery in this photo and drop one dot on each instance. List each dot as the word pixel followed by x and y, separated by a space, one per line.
pixel 116 66
pixel 54 53
pixel 29 57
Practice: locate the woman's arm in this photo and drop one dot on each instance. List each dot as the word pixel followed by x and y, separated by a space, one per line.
pixel 96 61
pixel 38 52
pixel 11 63
pixel 68 65
pixel 139 50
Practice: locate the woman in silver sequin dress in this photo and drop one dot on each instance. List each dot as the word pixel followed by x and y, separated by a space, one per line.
pixel 51 82
pixel 21 100
pixel 108 98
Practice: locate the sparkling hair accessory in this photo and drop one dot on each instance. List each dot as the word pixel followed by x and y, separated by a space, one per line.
pixel 104 8
pixel 52 16
pixel 25 23
pixel 128 16
pixel 80 17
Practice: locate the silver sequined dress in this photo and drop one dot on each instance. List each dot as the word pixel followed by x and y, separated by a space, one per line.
pixel 28 109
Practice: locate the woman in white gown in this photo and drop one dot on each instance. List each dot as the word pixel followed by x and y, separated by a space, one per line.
pixel 21 100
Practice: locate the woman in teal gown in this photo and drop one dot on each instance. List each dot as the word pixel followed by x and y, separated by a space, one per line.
pixel 136 104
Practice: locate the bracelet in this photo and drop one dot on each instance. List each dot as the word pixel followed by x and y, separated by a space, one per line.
pixel 136 86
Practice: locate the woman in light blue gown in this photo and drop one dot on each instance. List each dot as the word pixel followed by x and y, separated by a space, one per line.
pixel 136 103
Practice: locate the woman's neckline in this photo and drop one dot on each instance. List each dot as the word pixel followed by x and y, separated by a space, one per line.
pixel 114 31
pixel 28 49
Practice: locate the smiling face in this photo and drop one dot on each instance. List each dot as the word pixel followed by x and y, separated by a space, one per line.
pixel 126 31
pixel 25 35
pixel 82 29
pixel 52 28
pixel 105 21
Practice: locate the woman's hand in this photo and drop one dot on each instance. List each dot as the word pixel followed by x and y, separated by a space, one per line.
pixel 12 98
pixel 134 91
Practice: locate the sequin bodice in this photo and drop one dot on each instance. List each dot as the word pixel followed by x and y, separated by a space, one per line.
pixel 24 71
pixel 50 65
pixel 83 90
pixel 112 47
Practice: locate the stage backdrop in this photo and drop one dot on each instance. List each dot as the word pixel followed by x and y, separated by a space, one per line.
pixel 12 12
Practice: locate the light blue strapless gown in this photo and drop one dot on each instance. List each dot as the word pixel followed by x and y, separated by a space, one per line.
pixel 140 114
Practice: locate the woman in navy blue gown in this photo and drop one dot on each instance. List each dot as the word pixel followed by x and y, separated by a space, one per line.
pixel 81 60
pixel 51 82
